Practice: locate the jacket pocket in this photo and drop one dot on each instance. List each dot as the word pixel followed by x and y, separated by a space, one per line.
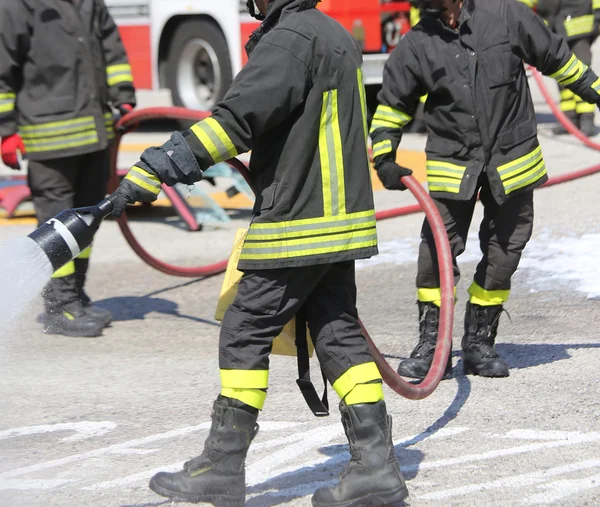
pixel 517 134
pixel 501 65
pixel 267 198
pixel 55 106
pixel 445 147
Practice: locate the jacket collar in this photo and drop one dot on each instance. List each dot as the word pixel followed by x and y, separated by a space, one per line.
pixel 276 11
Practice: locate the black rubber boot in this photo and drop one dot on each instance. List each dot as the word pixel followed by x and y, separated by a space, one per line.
pixel 479 354
pixel 586 124
pixel 559 130
pixel 417 366
pixel 373 477
pixel 218 475
pixel 65 315
pixel 100 314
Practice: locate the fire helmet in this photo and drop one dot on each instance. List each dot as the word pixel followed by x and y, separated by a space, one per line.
pixel 431 7
pixel 254 12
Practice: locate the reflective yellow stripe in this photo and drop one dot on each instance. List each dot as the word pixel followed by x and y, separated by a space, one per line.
pixel 596 4
pixel 580 25
pixel 246 379
pixel 66 270
pixel 60 142
pixel 596 85
pixel 514 167
pixel 570 72
pixel 118 74
pixel 7 102
pixel 215 140
pixel 523 171
pixel 430 296
pixel 529 3
pixel 423 99
pixel 382 148
pixel 300 233
pixel 584 107
pixel 388 117
pixel 359 374
pixel 57 127
pixel 7 95
pixel 144 179
pixel 331 155
pixel 568 105
pixel 444 176
pixel 566 94
pixel 307 222
pixel 528 178
pixel 253 397
pixel 363 102
pixel 86 254
pixel 482 297
pixel 365 393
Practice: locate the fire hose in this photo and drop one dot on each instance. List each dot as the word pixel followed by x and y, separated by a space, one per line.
pixel 444 342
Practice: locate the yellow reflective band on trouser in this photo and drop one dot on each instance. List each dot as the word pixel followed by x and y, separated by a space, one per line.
pixel 110 126
pixel 444 176
pixel 583 107
pixel 365 393
pixel 144 179
pixel 568 100
pixel 482 297
pixel 59 135
pixel 570 71
pixel 596 4
pixel 253 397
pixel 425 295
pixel 363 102
pixel 523 171
pixel 581 25
pixel 86 254
pixel 382 148
pixel 66 270
pixel 332 157
pixel 245 379
pixel 7 102
pixel 116 74
pixel 388 117
pixel 359 374
pixel 215 140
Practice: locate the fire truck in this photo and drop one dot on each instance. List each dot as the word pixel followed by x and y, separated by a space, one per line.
pixel 194 48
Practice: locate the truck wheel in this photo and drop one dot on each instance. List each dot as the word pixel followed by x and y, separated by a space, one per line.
pixel 198 65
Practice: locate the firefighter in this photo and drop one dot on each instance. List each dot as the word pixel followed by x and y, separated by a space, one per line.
pixel 299 105
pixel 468 55
pixel 62 66
pixel 578 21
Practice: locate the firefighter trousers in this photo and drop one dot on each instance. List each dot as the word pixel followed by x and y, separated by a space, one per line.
pixel 60 184
pixel 266 301
pixel 503 233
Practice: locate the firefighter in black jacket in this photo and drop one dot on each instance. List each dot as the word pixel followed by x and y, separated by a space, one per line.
pixel 299 105
pixel 62 64
pixel 468 55
pixel 578 21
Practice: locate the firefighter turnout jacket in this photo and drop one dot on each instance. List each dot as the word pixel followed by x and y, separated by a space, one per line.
pixel 479 111
pixel 299 105
pixel 573 19
pixel 61 64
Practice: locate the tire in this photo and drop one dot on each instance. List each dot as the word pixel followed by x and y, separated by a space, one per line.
pixel 198 67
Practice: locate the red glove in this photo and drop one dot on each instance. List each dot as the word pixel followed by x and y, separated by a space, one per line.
pixel 9 147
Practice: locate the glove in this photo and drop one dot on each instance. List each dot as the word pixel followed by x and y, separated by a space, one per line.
pixel 138 186
pixel 9 147
pixel 125 108
pixel 390 173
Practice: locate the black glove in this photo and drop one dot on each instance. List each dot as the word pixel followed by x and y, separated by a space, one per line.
pixel 137 186
pixel 390 173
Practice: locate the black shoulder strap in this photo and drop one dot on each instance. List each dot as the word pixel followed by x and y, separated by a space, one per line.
pixel 319 407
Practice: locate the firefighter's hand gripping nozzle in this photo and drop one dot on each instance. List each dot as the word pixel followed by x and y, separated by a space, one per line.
pixel 65 236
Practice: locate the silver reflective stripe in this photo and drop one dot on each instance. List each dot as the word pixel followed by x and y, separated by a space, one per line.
pixel 256 229
pixel 66 235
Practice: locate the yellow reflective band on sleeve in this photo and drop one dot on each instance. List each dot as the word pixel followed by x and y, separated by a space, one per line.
pixel 388 117
pixel 7 102
pixel 482 297
pixel 382 148
pixel 332 159
pixel 253 397
pixel 86 254
pixel 215 140
pixel 596 4
pixel 523 171
pixel 363 102
pixel 144 179
pixel 528 3
pixel 116 74
pixel 359 374
pixel 581 25
pixel 365 393
pixel 570 72
pixel 66 270
pixel 245 379
pixel 596 85
pixel 444 176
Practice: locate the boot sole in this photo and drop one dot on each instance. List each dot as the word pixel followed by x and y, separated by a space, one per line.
pixel 389 498
pixel 487 374
pixel 218 501
pixel 406 374
pixel 72 334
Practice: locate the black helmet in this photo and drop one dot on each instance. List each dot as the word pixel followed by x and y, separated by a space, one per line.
pixel 433 7
pixel 254 12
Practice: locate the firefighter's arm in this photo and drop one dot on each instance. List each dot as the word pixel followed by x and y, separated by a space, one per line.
pixel 398 101
pixel 118 71
pixel 549 53
pixel 14 43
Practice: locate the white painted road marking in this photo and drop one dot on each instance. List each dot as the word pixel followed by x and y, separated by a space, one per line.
pixel 83 430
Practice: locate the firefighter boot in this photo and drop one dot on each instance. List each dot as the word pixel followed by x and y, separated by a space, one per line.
pixel 65 315
pixel 373 476
pixel 479 355
pixel 559 130
pixel 100 314
pixel 586 124
pixel 417 366
pixel 218 475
